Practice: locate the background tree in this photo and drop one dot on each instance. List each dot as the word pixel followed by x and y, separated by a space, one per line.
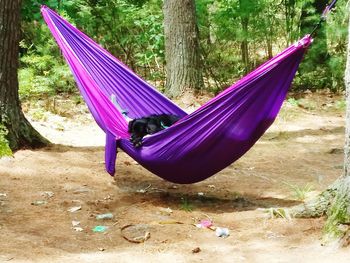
pixel 183 65
pixel 19 131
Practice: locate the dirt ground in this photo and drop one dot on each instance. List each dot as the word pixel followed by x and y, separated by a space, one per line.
pixel 300 155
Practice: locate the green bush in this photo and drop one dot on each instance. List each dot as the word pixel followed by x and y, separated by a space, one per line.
pixel 43 72
pixel 4 146
pixel 235 37
pixel 43 75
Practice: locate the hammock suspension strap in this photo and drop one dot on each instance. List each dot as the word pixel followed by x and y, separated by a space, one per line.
pixel 323 18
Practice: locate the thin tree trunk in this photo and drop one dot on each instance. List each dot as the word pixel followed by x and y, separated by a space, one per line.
pixel 20 132
pixel 182 53
pixel 244 42
pixel 289 16
pixel 244 46
pixel 347 117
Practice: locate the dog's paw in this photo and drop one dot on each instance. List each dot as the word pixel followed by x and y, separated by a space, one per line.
pixel 137 142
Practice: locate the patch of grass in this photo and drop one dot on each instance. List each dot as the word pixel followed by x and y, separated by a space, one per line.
pixel 186 205
pixel 287 113
pixel 4 146
pixel 77 99
pixel 308 104
pixel 293 102
pixel 39 115
pixel 337 214
pixel 300 192
pixel 340 105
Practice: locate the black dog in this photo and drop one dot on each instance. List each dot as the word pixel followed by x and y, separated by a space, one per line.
pixel 149 125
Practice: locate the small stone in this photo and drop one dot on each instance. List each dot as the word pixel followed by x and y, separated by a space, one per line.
pixel 3 196
pixel 104 216
pixel 75 223
pixel 39 202
pixel 99 229
pixel 74 209
pixel 222 232
pixel 196 250
pixel 81 190
pixel 47 194
pixel 166 211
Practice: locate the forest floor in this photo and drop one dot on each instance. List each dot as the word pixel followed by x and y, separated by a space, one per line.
pixel 299 156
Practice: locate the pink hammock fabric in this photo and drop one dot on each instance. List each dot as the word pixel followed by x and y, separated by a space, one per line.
pixel 201 143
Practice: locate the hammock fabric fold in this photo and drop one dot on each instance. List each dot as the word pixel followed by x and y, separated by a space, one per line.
pixel 201 143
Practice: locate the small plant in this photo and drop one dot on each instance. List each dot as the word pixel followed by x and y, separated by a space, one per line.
pixel 278 213
pixel 300 192
pixel 293 102
pixel 4 146
pixel 77 99
pixel 340 104
pixel 337 214
pixel 186 205
pixel 39 115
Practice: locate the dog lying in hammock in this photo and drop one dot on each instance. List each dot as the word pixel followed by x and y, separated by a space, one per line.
pixel 152 124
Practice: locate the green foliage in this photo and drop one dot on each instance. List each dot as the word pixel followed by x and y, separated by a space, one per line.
pixel 130 30
pixel 337 214
pixel 235 37
pixel 186 205
pixel 43 75
pixel 300 192
pixel 278 213
pixel 4 147
pixel 39 115
pixel 340 104
pixel 43 71
pixel 324 64
pixel 294 102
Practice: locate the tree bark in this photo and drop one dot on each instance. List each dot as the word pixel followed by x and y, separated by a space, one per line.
pixel 335 200
pixel 244 7
pixel 20 132
pixel 183 63
pixel 347 116
pixel 289 9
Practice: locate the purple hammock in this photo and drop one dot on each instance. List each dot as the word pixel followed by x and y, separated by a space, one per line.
pixel 200 144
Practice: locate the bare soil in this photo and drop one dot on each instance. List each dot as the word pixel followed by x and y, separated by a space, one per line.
pixel 301 151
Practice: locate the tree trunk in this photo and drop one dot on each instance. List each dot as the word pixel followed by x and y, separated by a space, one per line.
pixel 289 9
pixel 182 54
pixel 335 201
pixel 20 132
pixel 347 117
pixel 244 10
pixel 244 45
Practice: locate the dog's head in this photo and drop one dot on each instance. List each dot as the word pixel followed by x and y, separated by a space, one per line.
pixel 138 127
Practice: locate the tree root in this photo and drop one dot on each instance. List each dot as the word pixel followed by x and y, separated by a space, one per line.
pixel 21 135
pixel 334 202
pixel 316 207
